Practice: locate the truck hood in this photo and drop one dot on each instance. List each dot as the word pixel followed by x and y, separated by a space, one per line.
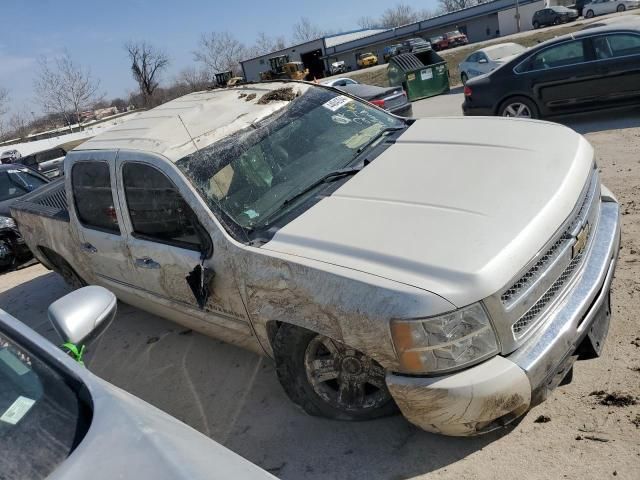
pixel 457 206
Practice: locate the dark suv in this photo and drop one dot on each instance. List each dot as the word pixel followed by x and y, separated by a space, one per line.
pixel 553 16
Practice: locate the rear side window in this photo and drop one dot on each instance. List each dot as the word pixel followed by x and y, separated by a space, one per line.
pixel 93 196
pixel 157 210
pixel 563 55
pixel 621 45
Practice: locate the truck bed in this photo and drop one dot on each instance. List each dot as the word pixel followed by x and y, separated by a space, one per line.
pixel 43 220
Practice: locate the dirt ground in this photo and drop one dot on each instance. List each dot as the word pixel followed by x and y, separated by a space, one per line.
pixel 234 396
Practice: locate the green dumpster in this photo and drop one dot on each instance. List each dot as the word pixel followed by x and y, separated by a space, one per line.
pixel 422 74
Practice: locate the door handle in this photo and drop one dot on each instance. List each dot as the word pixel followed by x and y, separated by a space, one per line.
pixel 87 247
pixel 146 262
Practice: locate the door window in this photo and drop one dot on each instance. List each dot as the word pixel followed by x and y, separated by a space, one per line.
pixel 623 45
pixel 563 55
pixel 157 210
pixel 93 197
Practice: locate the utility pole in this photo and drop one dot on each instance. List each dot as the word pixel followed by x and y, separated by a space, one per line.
pixel 517 16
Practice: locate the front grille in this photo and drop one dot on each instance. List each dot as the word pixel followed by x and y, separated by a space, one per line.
pixel 511 295
pixel 522 325
pixel 537 278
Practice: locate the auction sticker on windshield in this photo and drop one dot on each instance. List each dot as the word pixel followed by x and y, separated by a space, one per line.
pixel 17 410
pixel 337 103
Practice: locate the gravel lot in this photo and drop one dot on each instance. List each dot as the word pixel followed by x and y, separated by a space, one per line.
pixel 234 396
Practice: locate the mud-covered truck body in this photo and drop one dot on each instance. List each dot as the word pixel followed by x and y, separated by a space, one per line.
pixel 454 268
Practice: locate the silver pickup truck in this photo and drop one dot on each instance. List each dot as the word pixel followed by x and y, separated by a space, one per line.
pixel 454 268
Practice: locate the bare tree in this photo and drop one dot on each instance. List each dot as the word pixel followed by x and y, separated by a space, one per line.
pixel 304 30
pixel 400 14
pixel 368 22
pixel 220 52
pixel 265 44
pixel 19 125
pixel 64 88
pixel 147 63
pixel 4 100
pixel 193 79
pixel 447 6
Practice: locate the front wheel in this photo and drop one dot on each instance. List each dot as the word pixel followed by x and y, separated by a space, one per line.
pixel 536 25
pixel 518 107
pixel 621 8
pixel 589 14
pixel 464 78
pixel 328 378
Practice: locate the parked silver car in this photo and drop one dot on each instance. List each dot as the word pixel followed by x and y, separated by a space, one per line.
pixel 59 421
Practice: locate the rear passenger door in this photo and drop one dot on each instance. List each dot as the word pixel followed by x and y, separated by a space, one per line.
pixel 96 217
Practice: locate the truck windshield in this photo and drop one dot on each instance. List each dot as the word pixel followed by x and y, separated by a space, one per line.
pixel 251 173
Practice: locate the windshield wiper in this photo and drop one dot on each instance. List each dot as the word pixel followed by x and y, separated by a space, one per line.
pixel 377 137
pixel 326 178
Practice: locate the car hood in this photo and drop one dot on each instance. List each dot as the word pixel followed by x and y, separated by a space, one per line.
pixel 457 206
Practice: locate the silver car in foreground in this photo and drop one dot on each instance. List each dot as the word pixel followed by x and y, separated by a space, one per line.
pixel 59 421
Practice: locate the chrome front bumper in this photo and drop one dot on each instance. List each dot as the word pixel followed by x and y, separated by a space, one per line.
pixel 484 397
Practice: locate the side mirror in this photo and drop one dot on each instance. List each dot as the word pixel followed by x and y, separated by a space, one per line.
pixel 84 314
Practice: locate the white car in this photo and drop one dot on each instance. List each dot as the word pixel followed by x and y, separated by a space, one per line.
pixel 487 59
pixel 339 82
pixel 603 7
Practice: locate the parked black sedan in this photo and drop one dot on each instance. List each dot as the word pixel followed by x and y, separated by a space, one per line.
pixel 553 16
pixel 587 70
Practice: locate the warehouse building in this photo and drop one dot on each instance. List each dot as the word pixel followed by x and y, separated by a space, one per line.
pixel 481 22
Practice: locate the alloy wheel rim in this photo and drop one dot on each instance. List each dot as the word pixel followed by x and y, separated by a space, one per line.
pixel 517 110
pixel 344 377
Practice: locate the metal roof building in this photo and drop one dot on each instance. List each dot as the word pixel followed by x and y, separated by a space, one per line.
pixel 480 22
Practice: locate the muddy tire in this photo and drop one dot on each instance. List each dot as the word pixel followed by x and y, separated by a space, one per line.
pixel 329 379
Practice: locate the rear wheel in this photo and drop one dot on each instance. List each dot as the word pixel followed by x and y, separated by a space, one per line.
pixel 518 107
pixel 61 266
pixel 464 78
pixel 589 14
pixel 556 21
pixel 536 24
pixel 621 8
pixel 328 378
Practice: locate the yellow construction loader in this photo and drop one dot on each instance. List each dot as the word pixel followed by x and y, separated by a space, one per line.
pixel 282 68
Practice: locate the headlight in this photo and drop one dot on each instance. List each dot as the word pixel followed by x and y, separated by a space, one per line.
pixel 444 343
pixel 7 222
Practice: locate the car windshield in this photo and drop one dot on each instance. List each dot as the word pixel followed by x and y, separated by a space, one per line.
pixel 41 418
pixel 502 51
pixel 16 182
pixel 250 174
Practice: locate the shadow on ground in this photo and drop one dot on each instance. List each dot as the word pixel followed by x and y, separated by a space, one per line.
pixel 603 120
pixel 233 396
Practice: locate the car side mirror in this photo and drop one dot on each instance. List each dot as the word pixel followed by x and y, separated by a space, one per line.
pixel 83 315
pixel 483 60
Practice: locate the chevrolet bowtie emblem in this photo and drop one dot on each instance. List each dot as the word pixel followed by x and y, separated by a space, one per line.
pixel 581 240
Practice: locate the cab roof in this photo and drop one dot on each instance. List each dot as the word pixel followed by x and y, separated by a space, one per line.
pixel 175 128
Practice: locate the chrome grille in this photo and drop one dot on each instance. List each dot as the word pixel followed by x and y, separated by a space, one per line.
pixel 522 325
pixel 510 295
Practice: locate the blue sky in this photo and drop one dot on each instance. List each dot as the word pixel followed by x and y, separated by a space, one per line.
pixel 94 32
